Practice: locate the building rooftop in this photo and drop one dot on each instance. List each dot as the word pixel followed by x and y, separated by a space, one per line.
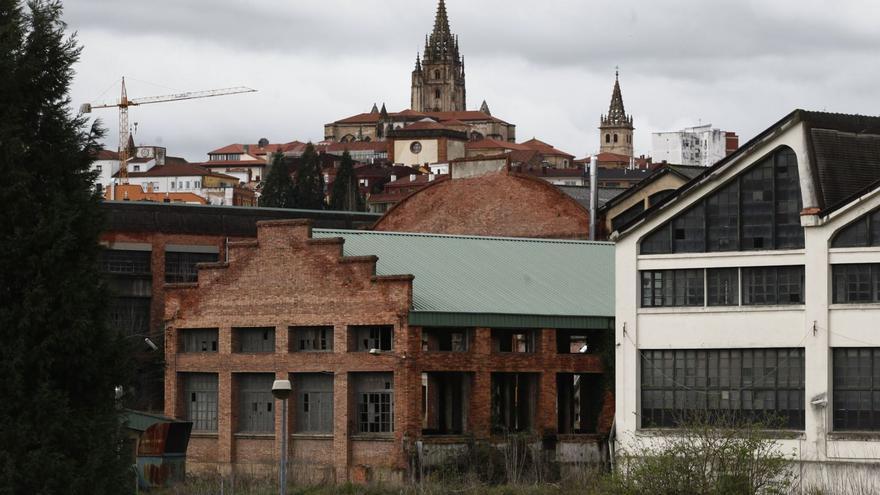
pixel 567 282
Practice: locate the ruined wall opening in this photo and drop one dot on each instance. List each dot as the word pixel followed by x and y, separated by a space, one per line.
pixel 445 399
pixel 254 402
pixel 578 341
pixel 514 401
pixel 579 402
pixel 374 402
pixel 253 340
pixel 198 339
pixel 446 339
pixel 311 339
pixel 367 338
pixel 507 340
pixel 313 403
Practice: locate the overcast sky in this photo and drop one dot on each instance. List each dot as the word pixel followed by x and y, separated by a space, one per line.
pixel 546 66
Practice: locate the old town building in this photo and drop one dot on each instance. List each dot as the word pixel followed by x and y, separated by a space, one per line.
pixel 401 348
pixel 616 128
pixel 438 79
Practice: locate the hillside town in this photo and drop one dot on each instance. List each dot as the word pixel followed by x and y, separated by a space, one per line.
pixel 422 293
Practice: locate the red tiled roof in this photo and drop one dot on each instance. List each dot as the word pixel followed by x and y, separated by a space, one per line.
pixel 545 148
pixel 489 143
pixel 423 125
pixel 253 149
pixel 354 146
pixel 232 163
pixel 420 179
pixel 134 192
pixel 106 155
pixel 178 168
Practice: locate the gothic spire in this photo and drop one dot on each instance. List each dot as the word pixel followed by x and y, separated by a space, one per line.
pixel 441 21
pixel 418 63
pixel 616 112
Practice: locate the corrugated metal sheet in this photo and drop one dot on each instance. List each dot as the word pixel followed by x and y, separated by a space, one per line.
pixel 493 275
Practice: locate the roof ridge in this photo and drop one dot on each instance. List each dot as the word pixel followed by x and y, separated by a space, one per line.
pixel 465 236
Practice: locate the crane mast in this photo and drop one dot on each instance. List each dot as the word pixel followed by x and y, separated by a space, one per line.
pixel 124 103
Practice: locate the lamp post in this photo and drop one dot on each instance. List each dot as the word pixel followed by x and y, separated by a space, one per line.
pixel 281 391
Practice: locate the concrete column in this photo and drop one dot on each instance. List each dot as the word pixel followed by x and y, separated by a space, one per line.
pixel 341 426
pixel 817 360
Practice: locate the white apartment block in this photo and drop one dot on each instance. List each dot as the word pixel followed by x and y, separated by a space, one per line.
pixel 699 146
pixel 754 290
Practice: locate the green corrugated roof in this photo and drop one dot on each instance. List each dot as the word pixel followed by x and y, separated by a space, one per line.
pixel 498 276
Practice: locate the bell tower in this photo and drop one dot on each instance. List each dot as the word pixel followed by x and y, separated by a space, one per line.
pixel 616 128
pixel 438 79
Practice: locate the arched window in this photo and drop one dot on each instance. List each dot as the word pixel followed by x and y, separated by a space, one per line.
pixel 615 138
pixel 757 210
pixel 607 138
pixel 348 138
pixel 476 136
pixel 436 93
pixel 436 74
pixel 860 233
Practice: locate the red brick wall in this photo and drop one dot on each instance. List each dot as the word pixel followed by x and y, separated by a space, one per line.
pixel 285 278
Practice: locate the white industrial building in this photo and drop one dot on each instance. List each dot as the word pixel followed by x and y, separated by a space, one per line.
pixel 754 290
pixel 698 146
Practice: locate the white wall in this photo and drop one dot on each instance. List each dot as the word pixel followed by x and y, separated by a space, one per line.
pixel 815 326
pixel 698 146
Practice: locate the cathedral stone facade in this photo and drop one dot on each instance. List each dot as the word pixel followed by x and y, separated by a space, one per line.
pixel 438 79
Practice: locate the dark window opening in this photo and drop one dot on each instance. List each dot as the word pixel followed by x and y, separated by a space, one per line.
pixel 506 340
pixel 372 337
pixel 446 339
pixel 723 286
pixel 255 403
pixel 314 402
pixel 578 341
pixel 770 285
pixel 672 288
pixel 123 262
pixel 758 210
pixel 311 339
pixel 856 388
pixel 199 339
pixel 579 402
pixel 626 215
pixel 742 384
pixel 514 399
pixel 253 340
pixel 181 267
pixel 445 399
pixel 200 395
pixel 855 283
pixel 375 402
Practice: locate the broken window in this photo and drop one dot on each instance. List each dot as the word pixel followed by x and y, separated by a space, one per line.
pixel 314 402
pixel 579 402
pixel 311 339
pixel 200 395
pixel 256 405
pixel 758 210
pixel 506 340
pixel 199 339
pixel 375 402
pixel 253 340
pixel 131 285
pixel 180 267
pixel 856 388
pixel 368 338
pixel 446 339
pixel 578 341
pixel 514 399
pixel 750 384
pixel 445 398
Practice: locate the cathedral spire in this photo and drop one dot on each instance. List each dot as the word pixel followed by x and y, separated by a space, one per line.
pixel 441 21
pixel 418 63
pixel 616 112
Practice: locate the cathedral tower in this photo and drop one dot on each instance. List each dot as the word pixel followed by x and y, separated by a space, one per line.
pixel 438 79
pixel 616 128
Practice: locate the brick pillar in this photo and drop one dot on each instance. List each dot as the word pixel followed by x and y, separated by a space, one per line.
pixel 480 417
pixel 172 393
pixel 547 421
pixel 341 413
pixel 225 420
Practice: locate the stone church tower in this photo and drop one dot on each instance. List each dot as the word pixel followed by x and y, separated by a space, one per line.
pixel 438 79
pixel 616 128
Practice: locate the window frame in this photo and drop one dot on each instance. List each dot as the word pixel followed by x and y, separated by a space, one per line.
pixel 256 405
pixel 866 387
pixel 208 389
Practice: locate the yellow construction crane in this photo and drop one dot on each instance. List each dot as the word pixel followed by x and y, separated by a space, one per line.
pixel 125 102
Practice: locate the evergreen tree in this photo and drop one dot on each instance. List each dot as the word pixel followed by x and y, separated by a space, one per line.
pixel 59 361
pixel 346 194
pixel 278 187
pixel 309 184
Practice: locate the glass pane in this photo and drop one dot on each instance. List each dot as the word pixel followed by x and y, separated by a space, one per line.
pixel 722 219
pixel 853 235
pixel 757 207
pixel 688 231
pixel 789 233
pixel 723 286
pixel 658 242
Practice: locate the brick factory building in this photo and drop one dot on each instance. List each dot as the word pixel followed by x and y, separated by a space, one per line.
pixel 395 343
pixel 148 244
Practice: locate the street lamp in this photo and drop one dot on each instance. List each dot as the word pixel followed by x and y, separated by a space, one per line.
pixel 281 391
